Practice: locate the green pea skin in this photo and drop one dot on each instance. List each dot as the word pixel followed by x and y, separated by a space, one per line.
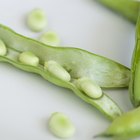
pixel 124 127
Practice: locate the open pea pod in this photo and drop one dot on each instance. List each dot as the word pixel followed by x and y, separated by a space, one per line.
pixel 134 89
pixel 126 8
pixel 76 62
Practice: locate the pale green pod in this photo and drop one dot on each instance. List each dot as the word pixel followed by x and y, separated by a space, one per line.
pixel 124 127
pixel 61 126
pixel 37 20
pixel 57 70
pixel 134 86
pixel 73 61
pixel 126 8
pixel 3 49
pixel 50 38
pixel 29 58
pixel 89 87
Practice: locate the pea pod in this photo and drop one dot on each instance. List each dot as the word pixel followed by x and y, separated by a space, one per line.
pixel 75 63
pixel 124 127
pixel 135 70
pixel 126 8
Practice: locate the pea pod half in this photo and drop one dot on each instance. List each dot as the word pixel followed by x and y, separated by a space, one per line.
pixel 64 66
pixel 135 70
pixel 126 8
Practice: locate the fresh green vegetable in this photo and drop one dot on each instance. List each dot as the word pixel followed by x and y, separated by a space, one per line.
pixel 57 70
pixel 50 38
pixel 37 20
pixel 3 49
pixel 77 62
pixel 124 127
pixel 29 58
pixel 135 70
pixel 61 126
pixel 127 8
pixel 127 126
pixel 89 87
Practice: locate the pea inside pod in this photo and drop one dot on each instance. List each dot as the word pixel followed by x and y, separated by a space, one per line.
pixel 89 87
pixel 57 70
pixel 74 63
pixel 29 58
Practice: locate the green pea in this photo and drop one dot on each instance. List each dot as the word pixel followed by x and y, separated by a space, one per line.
pixel 89 87
pixel 3 49
pixel 29 58
pixel 124 127
pixel 63 65
pixel 61 126
pixel 37 20
pixel 50 38
pixel 57 70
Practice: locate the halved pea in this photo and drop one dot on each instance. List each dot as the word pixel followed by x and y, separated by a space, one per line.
pixel 61 126
pixel 50 38
pixel 37 20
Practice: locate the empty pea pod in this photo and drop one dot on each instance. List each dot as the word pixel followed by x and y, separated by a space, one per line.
pixel 73 62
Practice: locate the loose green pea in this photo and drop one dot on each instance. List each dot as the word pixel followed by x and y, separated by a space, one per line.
pixel 89 87
pixel 61 126
pixel 37 20
pixel 29 58
pixel 3 49
pixel 57 70
pixel 124 127
pixel 50 38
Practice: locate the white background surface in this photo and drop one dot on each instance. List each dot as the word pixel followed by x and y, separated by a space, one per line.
pixel 27 100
